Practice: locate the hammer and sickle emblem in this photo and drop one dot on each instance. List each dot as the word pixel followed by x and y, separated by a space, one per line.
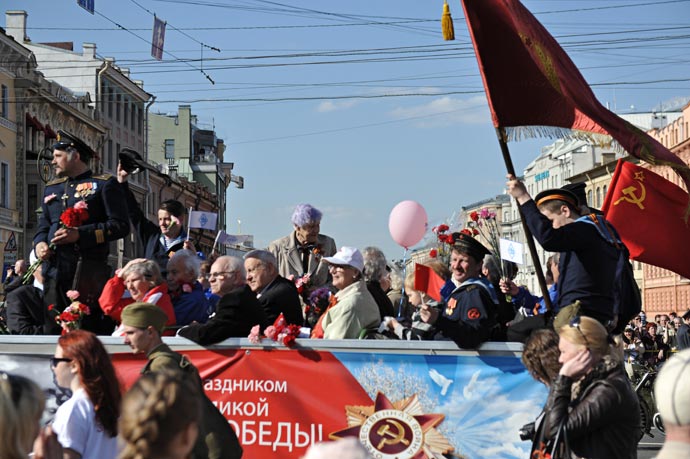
pixel 395 438
pixel 632 197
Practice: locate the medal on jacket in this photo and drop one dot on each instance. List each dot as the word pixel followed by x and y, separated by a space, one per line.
pixel 450 306
pixel 85 189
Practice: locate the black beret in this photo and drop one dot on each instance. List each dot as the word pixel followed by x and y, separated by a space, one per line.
pixel 465 243
pixel 66 139
pixel 557 194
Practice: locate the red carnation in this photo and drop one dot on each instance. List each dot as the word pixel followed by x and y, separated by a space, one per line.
pixel 73 218
pixel 433 253
pixel 443 228
pixel 475 231
pixel 467 231
pixel 474 216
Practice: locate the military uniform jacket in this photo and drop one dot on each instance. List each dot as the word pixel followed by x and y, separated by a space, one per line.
pixel 107 209
pixel 468 317
pixel 587 265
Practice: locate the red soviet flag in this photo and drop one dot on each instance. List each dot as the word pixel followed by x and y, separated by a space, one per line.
pixel 647 210
pixel 534 88
pixel 426 280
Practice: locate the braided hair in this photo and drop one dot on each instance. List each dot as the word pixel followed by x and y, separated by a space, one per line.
pixel 157 408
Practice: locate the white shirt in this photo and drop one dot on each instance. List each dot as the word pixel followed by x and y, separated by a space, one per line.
pixel 76 428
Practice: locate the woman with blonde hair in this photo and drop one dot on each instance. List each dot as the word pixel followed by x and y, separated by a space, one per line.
pixel 21 406
pixel 160 418
pixel 592 410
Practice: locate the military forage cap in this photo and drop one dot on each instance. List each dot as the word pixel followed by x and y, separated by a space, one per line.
pixel 66 139
pixel 557 194
pixel 143 315
pixel 465 243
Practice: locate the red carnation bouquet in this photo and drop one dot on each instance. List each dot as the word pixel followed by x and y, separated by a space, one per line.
pixel 72 217
pixel 70 318
pixel 445 244
pixel 280 331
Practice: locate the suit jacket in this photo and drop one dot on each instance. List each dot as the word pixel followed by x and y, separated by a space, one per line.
pixel 289 258
pixel 281 296
pixel 236 314
pixel 27 314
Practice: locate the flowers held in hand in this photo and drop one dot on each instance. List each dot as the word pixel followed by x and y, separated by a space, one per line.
pixel 445 243
pixel 49 198
pixel 484 224
pixel 72 295
pixel 318 303
pixel 280 331
pixel 300 282
pixel 70 318
pixel 74 217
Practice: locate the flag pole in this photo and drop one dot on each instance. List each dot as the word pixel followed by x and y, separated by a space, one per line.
pixel 501 134
pixel 216 242
pixel 189 222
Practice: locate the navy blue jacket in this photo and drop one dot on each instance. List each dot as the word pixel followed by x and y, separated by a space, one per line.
pixel 587 265
pixel 149 234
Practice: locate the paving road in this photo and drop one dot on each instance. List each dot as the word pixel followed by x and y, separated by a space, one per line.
pixel 649 447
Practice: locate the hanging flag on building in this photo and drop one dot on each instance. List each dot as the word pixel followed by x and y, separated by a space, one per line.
pixel 158 39
pixel 203 220
pixel 647 210
pixel 534 89
pixel 87 5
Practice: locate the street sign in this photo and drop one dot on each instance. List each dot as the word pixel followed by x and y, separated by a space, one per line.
pixel 9 256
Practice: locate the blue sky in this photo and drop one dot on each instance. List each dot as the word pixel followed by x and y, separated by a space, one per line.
pixel 346 105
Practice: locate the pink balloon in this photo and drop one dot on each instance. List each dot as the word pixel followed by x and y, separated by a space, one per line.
pixel 407 223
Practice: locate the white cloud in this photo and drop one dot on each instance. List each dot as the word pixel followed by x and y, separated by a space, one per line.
pixel 484 421
pixel 331 106
pixel 446 111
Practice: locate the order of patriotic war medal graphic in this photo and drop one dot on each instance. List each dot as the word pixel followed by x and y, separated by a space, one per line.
pixel 396 430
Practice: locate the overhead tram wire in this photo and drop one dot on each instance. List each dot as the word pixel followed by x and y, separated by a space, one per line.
pixel 208 77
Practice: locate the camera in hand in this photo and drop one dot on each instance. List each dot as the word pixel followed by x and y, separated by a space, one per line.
pixel 527 432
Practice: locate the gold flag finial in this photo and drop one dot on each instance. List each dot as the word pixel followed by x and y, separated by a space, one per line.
pixel 447 23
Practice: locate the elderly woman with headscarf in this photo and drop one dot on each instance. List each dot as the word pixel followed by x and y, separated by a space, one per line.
pixel 299 254
pixel 139 281
pixel 352 309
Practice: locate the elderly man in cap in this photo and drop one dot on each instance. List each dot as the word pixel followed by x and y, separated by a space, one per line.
pixel 468 316
pixel 275 293
pixel 77 253
pixel 299 254
pixel 237 311
pixel 587 263
pixel 142 325
pixel 672 394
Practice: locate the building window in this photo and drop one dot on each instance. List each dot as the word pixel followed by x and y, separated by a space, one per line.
pixel 110 102
pixel 5 102
pixel 134 112
pixel 605 190
pixel 110 155
pixel 125 112
pixel 5 185
pixel 589 199
pixel 118 106
pixel 32 203
pixel 169 148
pixel 141 120
pixel 598 204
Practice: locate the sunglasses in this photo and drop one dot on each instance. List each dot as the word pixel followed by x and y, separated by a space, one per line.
pixel 54 361
pixel 575 323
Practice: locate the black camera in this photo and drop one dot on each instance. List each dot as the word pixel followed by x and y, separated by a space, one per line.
pixel 527 432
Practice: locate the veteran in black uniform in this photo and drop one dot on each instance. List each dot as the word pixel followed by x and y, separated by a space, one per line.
pixel 77 258
pixel 469 315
